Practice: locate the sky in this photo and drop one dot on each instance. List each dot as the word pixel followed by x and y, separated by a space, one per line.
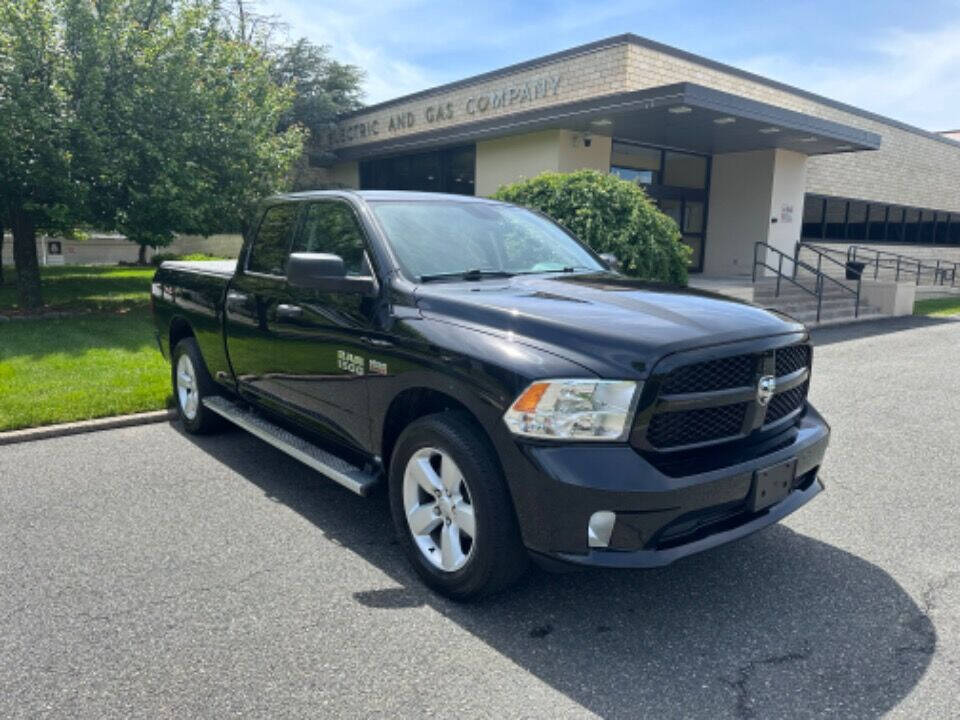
pixel 899 59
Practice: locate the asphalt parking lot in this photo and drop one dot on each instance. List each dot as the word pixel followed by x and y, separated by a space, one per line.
pixel 144 573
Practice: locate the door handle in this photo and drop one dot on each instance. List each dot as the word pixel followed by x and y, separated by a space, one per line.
pixel 289 312
pixel 376 341
pixel 236 298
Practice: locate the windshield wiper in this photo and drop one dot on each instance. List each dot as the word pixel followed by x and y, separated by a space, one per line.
pixel 474 274
pixel 567 269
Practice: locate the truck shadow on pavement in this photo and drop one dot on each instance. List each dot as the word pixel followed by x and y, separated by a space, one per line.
pixel 776 625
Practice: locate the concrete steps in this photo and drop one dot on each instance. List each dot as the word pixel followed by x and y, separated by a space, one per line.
pixel 837 305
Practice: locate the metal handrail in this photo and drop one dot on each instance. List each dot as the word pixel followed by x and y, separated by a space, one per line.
pixel 791 276
pixel 902 264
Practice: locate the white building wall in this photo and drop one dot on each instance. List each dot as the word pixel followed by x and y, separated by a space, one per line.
pixel 786 201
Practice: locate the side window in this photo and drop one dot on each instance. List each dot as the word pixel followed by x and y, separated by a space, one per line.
pixel 331 227
pixel 272 244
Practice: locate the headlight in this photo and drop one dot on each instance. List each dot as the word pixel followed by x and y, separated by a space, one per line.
pixel 574 410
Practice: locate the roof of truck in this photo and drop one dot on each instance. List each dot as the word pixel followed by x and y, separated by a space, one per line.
pixel 381 195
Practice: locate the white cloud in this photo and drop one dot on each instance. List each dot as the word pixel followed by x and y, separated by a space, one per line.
pixel 352 34
pixel 909 76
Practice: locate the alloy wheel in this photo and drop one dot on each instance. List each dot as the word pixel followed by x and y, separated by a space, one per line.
pixel 438 509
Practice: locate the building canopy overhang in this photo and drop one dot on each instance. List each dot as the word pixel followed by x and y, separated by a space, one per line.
pixel 685 116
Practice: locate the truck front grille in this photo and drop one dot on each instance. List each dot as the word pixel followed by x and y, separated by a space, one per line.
pixel 792 358
pixel 719 374
pixel 785 403
pixel 714 401
pixel 692 426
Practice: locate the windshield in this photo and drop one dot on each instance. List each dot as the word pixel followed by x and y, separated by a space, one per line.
pixel 454 238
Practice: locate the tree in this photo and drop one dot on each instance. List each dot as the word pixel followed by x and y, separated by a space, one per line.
pixel 186 138
pixel 37 188
pixel 323 88
pixel 611 215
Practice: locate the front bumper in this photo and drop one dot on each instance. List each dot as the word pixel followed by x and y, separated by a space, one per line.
pixel 659 517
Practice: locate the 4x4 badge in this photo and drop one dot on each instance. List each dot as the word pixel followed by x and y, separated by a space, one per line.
pixel 765 389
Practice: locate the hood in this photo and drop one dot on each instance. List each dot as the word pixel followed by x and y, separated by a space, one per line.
pixel 615 326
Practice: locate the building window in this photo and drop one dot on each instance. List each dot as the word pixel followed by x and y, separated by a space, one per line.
pixel 813 217
pixel 858 221
pixel 895 224
pixel 876 222
pixel 836 220
pixel 683 170
pixel 450 170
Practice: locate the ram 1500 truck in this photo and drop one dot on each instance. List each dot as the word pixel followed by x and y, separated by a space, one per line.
pixel 517 396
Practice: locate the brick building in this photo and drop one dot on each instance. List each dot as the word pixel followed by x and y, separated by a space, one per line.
pixel 733 157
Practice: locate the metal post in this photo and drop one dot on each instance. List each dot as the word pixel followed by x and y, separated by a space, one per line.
pixel 779 274
pixel 875 274
pixel 819 287
pixel 919 267
pixel 856 306
pixel 755 247
pixel 938 275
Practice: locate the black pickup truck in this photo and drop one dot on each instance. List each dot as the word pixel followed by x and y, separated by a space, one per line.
pixel 517 396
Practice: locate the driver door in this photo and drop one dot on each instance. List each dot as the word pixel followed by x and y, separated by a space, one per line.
pixel 324 337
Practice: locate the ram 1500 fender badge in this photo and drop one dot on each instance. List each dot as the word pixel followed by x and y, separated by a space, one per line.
pixel 349 362
pixel 375 367
pixel 765 389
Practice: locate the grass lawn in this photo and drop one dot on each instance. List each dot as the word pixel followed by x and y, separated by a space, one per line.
pixel 102 362
pixel 63 369
pixel 938 307
pixel 99 289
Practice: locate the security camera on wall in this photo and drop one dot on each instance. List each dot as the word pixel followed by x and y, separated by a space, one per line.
pixel 585 139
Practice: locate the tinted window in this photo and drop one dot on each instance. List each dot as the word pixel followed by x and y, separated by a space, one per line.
pixel 330 227
pixel 450 170
pixel 270 249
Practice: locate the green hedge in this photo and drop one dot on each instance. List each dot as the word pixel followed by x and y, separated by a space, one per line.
pixel 610 215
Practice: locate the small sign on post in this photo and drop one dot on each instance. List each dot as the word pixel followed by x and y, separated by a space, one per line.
pixel 54 254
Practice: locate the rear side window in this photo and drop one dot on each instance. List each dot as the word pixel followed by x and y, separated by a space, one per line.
pixel 331 227
pixel 272 244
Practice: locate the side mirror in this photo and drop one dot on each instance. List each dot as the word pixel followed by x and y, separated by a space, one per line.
pixel 611 260
pixel 325 272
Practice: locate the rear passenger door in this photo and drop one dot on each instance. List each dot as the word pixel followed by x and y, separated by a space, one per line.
pixel 253 296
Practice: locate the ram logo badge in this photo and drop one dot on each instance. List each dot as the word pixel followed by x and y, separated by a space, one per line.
pixel 765 389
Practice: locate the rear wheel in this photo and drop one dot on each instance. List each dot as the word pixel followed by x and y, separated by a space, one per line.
pixel 452 509
pixel 191 384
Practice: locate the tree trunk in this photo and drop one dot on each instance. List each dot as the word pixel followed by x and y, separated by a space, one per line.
pixel 1 251
pixel 25 259
pixel 142 257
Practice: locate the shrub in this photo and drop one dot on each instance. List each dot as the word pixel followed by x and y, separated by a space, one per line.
pixel 611 215
pixel 163 257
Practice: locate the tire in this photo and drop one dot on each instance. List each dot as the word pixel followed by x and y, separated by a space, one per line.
pixel 189 393
pixel 473 496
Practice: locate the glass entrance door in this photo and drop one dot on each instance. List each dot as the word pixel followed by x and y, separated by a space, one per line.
pixel 676 182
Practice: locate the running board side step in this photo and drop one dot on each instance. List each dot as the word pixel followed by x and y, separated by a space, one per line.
pixel 335 468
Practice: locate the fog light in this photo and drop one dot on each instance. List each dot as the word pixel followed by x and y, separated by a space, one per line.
pixel 600 528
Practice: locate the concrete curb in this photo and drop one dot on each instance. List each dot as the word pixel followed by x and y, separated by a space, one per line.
pixel 85 426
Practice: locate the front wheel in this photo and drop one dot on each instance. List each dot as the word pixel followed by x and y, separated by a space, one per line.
pixel 191 384
pixel 452 509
